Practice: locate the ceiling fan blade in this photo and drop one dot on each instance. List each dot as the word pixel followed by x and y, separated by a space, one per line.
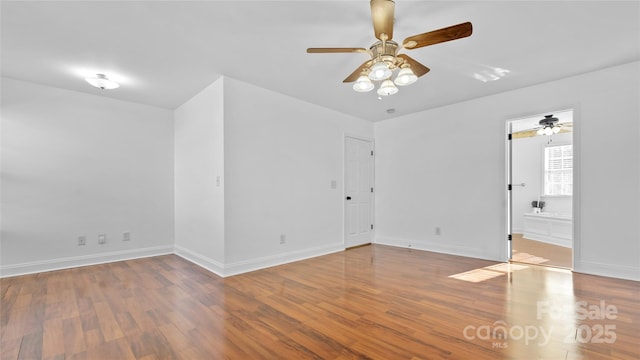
pixel 438 36
pixel 416 67
pixel 356 74
pixel 382 15
pixel 524 134
pixel 336 50
pixel 534 132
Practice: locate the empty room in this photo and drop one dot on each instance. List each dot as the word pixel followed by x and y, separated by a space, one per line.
pixel 367 179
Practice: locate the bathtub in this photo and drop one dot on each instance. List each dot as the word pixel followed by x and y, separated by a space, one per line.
pixel 551 228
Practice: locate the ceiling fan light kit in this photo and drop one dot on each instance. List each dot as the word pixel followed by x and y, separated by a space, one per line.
pixel 387 88
pixel 380 71
pixel 549 126
pixel 384 53
pixel 405 77
pixel 363 84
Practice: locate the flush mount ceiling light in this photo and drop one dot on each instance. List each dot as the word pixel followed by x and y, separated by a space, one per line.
pixel 101 81
pixel 384 58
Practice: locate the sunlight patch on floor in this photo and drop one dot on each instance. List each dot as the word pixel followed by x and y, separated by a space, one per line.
pixel 488 272
pixel 528 258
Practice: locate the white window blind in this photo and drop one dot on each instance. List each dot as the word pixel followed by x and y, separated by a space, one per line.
pixel 558 170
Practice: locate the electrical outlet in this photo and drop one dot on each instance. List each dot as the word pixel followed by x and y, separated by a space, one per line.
pixel 126 236
pixel 438 232
pixel 283 239
pixel 334 184
pixel 102 239
pixel 82 240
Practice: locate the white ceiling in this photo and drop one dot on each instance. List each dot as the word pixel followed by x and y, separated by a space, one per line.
pixel 165 52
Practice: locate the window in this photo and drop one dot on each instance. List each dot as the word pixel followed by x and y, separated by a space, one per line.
pixel 558 170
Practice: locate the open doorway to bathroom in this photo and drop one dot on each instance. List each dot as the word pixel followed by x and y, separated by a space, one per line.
pixel 540 189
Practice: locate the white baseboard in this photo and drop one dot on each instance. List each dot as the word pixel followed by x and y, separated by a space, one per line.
pixel 85 260
pixel 608 270
pixel 436 247
pixel 192 256
pixel 586 267
pixel 567 243
pixel 202 261
pixel 280 259
pixel 189 255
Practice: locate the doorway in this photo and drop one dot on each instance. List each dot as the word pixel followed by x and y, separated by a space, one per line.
pixel 540 189
pixel 358 202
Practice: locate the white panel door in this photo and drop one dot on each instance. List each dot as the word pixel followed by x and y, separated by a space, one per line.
pixel 358 192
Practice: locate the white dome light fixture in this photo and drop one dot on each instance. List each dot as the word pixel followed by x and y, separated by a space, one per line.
pixel 101 81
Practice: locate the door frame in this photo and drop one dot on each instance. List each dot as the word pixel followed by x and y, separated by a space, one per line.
pixel 344 187
pixel 576 210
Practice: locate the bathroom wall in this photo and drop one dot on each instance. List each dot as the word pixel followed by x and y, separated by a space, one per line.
pixel 527 168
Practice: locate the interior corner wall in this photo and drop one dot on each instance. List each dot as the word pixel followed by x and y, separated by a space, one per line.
pixel 281 156
pixel 446 168
pixel 76 164
pixel 199 178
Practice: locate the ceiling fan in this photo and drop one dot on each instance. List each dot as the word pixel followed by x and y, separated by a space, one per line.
pixel 549 125
pixel 384 53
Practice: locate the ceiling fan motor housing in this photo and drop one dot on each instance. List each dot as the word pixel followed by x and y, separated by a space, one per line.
pixel 548 120
pixel 386 52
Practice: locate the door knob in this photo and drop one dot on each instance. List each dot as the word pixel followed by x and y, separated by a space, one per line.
pixel 348 197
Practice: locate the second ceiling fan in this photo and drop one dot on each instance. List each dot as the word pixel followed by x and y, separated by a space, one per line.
pixel 384 53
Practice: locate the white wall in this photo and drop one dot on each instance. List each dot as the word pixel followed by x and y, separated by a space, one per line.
pixel 446 167
pixel 281 155
pixel 75 164
pixel 199 175
pixel 528 167
pixel 276 157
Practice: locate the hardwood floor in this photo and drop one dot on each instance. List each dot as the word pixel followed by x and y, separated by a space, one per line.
pixel 373 302
pixel 539 253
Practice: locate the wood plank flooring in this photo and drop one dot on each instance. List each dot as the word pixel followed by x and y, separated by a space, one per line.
pixel 372 302
pixel 539 253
